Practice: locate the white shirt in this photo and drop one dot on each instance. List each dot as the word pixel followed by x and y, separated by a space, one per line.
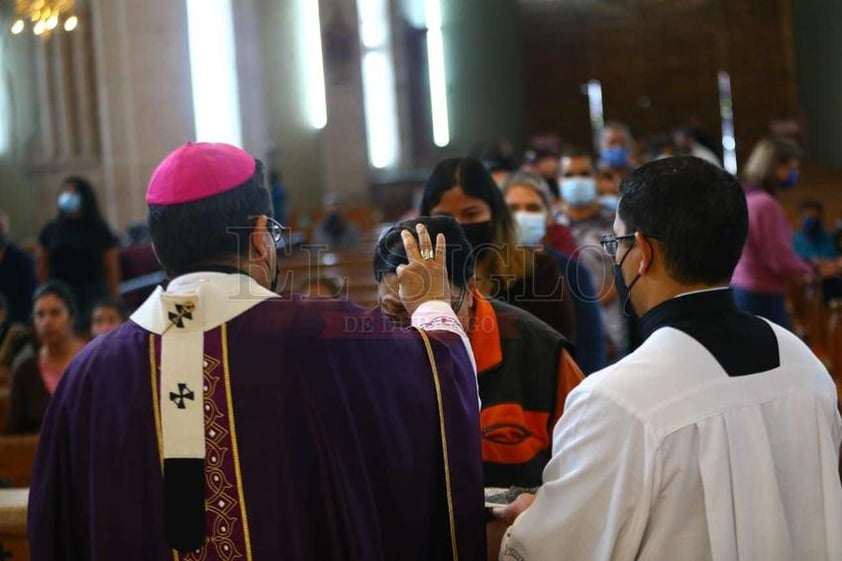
pixel 664 457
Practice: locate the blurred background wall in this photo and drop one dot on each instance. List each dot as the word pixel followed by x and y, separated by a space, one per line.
pixel 110 99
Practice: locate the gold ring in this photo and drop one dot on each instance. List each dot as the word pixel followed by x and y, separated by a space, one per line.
pixel 427 254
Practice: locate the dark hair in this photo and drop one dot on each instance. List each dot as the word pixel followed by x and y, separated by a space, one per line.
pixel 659 144
pixel 696 211
pixel 138 234
pixel 459 258
pixel 577 152
pixel 616 126
pixel 4 303
pixel 811 205
pixel 538 153
pixel 115 305
pixel 475 180
pixel 190 234
pixel 496 156
pixel 90 207
pixel 60 290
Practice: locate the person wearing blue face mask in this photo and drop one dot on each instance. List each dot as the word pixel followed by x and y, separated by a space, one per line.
pixel 79 248
pixel 590 220
pixel 616 144
pixel 812 241
pixel 815 244
pixel 769 263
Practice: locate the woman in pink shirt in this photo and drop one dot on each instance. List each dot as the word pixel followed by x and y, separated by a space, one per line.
pixel 768 262
pixel 35 378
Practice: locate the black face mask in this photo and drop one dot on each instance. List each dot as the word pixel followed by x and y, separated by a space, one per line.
pixel 623 291
pixel 478 233
pixel 812 227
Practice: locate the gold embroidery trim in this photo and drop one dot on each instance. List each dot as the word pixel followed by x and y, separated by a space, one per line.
pixel 246 535
pixel 447 484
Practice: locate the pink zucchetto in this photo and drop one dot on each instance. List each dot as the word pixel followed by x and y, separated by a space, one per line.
pixel 199 170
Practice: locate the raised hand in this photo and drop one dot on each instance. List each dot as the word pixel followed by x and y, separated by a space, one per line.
pixel 424 278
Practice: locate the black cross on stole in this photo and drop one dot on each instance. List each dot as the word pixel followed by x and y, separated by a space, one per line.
pixel 178 398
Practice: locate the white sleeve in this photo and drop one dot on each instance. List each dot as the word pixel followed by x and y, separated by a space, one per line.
pixel 594 501
pixel 438 315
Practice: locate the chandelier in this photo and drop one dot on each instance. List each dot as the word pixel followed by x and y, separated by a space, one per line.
pixel 43 16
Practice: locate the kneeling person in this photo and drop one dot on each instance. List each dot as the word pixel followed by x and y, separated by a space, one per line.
pixel 524 368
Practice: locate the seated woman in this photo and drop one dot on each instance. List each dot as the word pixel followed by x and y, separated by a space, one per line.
pixel 35 379
pixel 528 198
pixel 464 190
pixel 524 369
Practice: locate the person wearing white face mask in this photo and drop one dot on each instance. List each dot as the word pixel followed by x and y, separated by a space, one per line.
pixel 532 226
pixel 528 199
pixel 589 221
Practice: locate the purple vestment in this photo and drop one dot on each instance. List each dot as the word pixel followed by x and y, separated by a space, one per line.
pixel 333 450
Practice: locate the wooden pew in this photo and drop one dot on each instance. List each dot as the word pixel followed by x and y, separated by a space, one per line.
pixel 13 542
pixel 350 269
pixel 817 318
pixel 17 458
pixel 810 318
pixel 363 217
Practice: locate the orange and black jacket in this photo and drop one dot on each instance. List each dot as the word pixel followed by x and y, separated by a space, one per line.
pixel 525 373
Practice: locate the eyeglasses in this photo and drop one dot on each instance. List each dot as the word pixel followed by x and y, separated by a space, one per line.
pixel 275 229
pixel 611 243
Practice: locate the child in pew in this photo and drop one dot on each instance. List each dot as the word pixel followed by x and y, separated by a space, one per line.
pixel 106 316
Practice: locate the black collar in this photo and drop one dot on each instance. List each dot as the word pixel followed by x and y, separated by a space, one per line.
pixel 743 344
pixel 698 305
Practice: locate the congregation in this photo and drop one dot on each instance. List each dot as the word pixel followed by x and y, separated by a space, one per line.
pixel 420 280
pixel 542 310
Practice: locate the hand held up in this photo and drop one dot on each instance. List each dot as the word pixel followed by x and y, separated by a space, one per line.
pixel 424 278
